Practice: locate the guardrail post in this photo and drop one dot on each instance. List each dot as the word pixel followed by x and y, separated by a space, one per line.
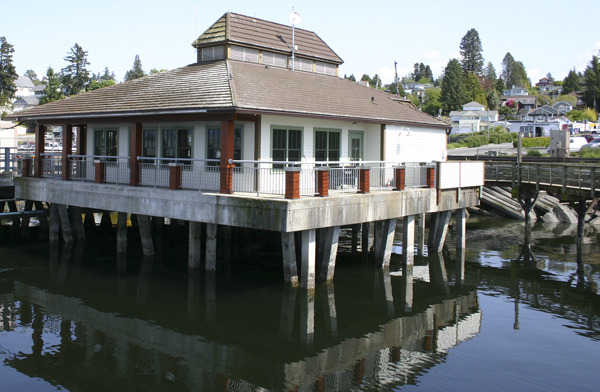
pixel 400 175
pixel 292 182
pixel 364 180
pixel 99 166
pixel 322 181
pixel 174 176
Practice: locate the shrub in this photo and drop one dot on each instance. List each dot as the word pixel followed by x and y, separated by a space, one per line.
pixel 475 140
pixel 533 142
pixel 590 153
pixel 533 153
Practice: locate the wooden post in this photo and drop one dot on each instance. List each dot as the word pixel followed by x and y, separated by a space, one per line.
pixel 400 174
pixel 174 176
pixel 364 245
pixel 67 149
pixel 322 181
pixel 329 243
pixel 211 247
pixel 364 180
pixel 77 218
pixel 290 268
pixel 122 232
pixel 135 150
pixel 54 224
pixel 292 182
pixel 408 240
pixel 308 256
pixel 65 225
pixel 194 246
pixel 99 168
pixel 40 140
pixel 145 234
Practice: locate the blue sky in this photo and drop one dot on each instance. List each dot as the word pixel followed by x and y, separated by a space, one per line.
pixel 368 36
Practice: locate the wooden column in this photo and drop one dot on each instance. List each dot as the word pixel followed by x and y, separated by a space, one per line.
pixel 81 140
pixel 146 235
pixel 40 140
pixel 226 168
pixel 99 171
pixel 135 150
pixel 67 149
pixel 431 177
pixel 65 224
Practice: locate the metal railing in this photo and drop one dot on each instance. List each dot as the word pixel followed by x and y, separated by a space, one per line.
pixel 249 176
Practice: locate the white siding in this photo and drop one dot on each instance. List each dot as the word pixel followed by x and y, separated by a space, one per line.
pixel 415 144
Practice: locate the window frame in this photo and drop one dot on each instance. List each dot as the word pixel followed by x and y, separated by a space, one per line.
pixel 287 129
pixel 105 132
pixel 328 132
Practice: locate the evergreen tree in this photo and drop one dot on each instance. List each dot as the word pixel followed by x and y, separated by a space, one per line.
pixel 474 89
pixel 453 89
pixel 489 77
pixel 493 100
pixel 591 91
pixel 53 90
pixel 572 82
pixel 520 77
pixel 8 74
pixel 421 72
pixel 137 71
pixel 75 76
pixel 470 53
pixel 351 77
pixel 30 73
pixel 508 64
pixel 107 75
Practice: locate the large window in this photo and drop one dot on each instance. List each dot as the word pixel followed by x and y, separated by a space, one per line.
pixel 213 144
pixel 327 145
pixel 213 53
pixel 150 142
pixel 287 145
pixel 106 142
pixel 176 143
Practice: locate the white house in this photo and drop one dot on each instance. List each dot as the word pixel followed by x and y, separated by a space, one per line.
pixel 473 118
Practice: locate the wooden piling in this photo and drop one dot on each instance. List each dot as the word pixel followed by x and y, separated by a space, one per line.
pixel 145 235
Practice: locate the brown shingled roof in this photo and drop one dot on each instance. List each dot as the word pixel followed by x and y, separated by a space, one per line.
pixel 234 86
pixel 262 34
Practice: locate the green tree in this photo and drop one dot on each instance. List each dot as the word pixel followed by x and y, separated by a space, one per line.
pixel 422 71
pixel 474 89
pixel 520 76
pixel 155 71
pixel 470 53
pixel 513 73
pixel 566 98
pixel 351 77
pixel 432 103
pixel 100 83
pixel 8 74
pixel 489 77
pixel 508 64
pixel 499 86
pixel 591 90
pixel 30 73
pixel 453 94
pixel 376 81
pixel 54 88
pixel 493 100
pixel 137 71
pixel 75 76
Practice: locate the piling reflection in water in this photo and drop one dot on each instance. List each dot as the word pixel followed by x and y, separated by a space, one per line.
pixel 142 331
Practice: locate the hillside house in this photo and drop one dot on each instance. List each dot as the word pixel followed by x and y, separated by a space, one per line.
pixel 473 118
pixel 218 141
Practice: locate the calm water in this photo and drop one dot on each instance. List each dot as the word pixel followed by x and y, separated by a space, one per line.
pixel 526 318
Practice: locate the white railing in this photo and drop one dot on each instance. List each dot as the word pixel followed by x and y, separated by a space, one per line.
pixel 83 168
pixel 197 174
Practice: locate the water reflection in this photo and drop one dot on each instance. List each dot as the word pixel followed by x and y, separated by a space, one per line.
pixel 138 326
pixel 142 331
